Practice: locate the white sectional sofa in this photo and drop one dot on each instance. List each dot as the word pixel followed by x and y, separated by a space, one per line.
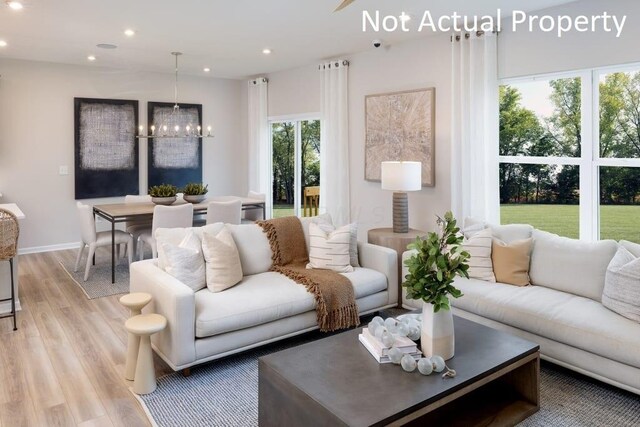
pixel 264 307
pixel 561 311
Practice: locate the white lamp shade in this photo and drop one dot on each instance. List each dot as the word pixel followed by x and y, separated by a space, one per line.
pixel 401 176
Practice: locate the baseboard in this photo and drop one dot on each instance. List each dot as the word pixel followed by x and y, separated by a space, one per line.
pixel 49 248
pixel 5 306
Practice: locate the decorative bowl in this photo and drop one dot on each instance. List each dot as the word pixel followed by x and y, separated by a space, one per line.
pixel 194 199
pixel 166 201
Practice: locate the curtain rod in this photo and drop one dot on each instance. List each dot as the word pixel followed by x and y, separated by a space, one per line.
pixel 335 64
pixel 479 33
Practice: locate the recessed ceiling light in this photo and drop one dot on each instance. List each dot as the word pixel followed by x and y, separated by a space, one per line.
pixel 106 46
pixel 206 69
pixel 129 32
pixel 91 58
pixel 266 51
pixel 3 43
pixel 15 5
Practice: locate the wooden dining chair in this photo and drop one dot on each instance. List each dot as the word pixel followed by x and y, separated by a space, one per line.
pixel 9 232
pixel 93 239
pixel 229 212
pixel 180 216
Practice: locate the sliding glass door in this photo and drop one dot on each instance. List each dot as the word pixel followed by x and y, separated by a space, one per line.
pixel 296 167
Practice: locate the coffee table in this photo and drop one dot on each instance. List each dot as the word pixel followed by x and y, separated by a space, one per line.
pixel 336 382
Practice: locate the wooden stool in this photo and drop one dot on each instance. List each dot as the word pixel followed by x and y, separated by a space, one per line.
pixel 134 302
pixel 145 325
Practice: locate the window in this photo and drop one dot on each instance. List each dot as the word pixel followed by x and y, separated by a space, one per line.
pixel 296 167
pixel 570 153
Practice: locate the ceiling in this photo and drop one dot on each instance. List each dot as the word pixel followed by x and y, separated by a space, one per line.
pixel 227 36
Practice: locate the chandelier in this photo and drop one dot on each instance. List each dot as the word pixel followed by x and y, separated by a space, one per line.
pixel 165 130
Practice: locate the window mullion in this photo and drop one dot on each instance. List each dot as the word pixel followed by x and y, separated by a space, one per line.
pixel 588 208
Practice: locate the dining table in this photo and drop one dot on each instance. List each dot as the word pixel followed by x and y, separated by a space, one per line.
pixel 115 213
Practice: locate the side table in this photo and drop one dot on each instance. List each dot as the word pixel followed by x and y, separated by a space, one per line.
pixel 396 241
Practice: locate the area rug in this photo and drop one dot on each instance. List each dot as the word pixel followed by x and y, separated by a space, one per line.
pixel 99 284
pixel 225 393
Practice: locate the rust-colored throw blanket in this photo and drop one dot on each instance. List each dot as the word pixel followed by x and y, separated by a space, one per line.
pixel 335 299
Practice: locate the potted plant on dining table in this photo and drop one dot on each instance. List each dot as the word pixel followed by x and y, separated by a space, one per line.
pixel 195 192
pixel 438 260
pixel 164 194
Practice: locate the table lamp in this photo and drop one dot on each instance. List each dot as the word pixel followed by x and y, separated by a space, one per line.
pixel 401 177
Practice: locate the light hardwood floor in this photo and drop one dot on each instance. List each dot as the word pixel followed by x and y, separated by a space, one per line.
pixel 64 364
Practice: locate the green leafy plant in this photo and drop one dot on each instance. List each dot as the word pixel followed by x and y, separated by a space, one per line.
pixel 195 189
pixel 163 190
pixel 437 262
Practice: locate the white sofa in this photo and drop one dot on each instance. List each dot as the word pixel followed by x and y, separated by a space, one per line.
pixel 561 311
pixel 264 307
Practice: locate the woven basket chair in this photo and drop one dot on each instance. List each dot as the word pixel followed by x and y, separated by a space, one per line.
pixel 9 232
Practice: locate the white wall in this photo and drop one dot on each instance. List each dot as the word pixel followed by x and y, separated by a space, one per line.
pixel 412 65
pixel 37 136
pixel 524 53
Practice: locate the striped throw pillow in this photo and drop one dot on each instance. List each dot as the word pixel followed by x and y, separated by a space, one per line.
pixel 329 251
pixel 479 247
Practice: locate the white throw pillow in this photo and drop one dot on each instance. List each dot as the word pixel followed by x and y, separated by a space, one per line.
pixel 253 246
pixel 223 267
pixel 324 219
pixel 185 261
pixel 176 235
pixel 622 285
pixel 330 251
pixel 479 247
pixel 353 240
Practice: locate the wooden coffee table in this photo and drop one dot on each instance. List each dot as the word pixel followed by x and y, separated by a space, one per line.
pixel 336 382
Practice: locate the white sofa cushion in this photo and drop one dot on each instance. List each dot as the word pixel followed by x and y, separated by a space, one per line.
pixel 223 267
pixel 185 261
pixel 507 233
pixel 253 246
pixel 266 297
pixel 570 265
pixel 559 316
pixel 634 248
pixel 175 235
pixel 622 285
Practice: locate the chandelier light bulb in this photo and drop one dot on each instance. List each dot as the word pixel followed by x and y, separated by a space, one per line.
pixel 164 129
pixel 153 129
pixel 176 128
pixel 141 128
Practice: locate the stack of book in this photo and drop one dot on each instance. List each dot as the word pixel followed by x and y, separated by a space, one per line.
pixel 381 353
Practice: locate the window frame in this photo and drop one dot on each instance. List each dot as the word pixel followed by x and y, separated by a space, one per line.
pixel 589 162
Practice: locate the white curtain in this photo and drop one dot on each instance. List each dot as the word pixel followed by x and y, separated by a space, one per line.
pixel 259 142
pixel 475 128
pixel 334 145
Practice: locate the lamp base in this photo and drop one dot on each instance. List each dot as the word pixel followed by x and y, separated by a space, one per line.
pixel 400 212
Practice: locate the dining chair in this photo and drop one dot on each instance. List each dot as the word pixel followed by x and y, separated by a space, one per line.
pixel 229 212
pixel 9 232
pixel 93 239
pixel 252 215
pixel 137 226
pixel 180 216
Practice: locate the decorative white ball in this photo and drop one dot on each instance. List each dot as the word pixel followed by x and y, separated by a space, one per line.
pixel 388 339
pixel 414 334
pixel 438 363
pixel 395 355
pixel 402 330
pixel 380 331
pixel 425 366
pixel 373 327
pixel 390 323
pixel 408 363
pixel 379 320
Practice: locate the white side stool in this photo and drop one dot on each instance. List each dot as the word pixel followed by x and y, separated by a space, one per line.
pixel 145 325
pixel 134 302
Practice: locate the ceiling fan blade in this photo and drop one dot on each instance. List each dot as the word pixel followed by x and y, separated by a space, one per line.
pixel 344 4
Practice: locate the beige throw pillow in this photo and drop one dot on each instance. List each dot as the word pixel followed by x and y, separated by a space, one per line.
pixel 329 251
pixel 223 267
pixel 353 241
pixel 185 261
pixel 479 247
pixel 622 284
pixel 511 261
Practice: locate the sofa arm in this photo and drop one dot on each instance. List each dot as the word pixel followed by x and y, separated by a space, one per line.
pixel 175 301
pixel 408 303
pixel 385 261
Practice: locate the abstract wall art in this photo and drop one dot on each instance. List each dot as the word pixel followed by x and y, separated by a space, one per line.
pixel 106 148
pixel 400 126
pixel 176 161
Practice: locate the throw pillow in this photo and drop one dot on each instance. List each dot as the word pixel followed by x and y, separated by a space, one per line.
pixel 320 219
pixel 185 261
pixel 330 251
pixel 223 267
pixel 511 261
pixel 622 285
pixel 353 240
pixel 479 247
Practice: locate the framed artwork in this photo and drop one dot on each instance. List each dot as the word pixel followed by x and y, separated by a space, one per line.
pixel 176 161
pixel 106 148
pixel 400 126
